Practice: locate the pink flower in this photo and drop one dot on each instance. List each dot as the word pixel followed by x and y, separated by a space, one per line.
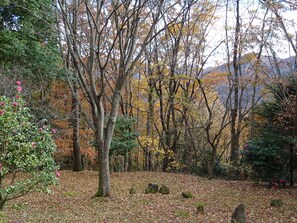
pixel 274 187
pixel 19 89
pixel 2 112
pixel 33 144
pixel 15 103
pixel 40 129
pixel 2 103
pixel 54 131
pixel 58 174
pixel 17 96
pixel 18 82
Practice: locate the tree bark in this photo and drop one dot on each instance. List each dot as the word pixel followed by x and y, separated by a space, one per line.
pixel 210 166
pixel 77 164
pixel 104 142
pixel 104 172
pixel 130 161
pixel 234 110
pixel 292 165
pixel 149 130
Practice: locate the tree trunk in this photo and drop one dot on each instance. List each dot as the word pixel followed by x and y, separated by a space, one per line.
pixel 103 154
pixel 292 165
pixel 145 161
pixel 151 161
pixel 165 162
pixel 149 129
pixel 104 141
pixel 104 172
pixel 210 166
pixel 234 110
pixel 77 164
pixel 209 170
pixel 126 161
pixel 130 161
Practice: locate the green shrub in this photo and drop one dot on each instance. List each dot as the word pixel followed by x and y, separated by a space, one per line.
pixel 26 150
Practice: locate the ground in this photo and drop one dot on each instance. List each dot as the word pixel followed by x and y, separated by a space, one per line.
pixel 71 200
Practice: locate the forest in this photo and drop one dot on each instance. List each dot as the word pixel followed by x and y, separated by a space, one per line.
pixel 99 97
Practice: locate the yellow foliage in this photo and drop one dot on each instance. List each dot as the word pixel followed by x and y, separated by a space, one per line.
pixel 174 29
pixel 149 142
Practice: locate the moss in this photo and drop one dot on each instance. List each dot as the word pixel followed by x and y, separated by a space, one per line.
pixel 276 203
pixel 132 190
pixel 164 190
pixel 150 191
pixel 200 207
pixel 183 214
pixel 238 215
pixel 68 194
pixel 152 188
pixel 3 217
pixel 18 207
pixel 187 194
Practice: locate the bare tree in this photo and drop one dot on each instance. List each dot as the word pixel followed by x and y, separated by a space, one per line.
pixel 107 30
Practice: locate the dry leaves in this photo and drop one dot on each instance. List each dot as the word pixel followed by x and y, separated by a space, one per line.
pixel 71 200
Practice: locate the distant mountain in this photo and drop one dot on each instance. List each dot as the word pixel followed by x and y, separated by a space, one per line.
pixel 253 78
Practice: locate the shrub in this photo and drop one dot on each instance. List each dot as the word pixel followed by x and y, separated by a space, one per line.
pixel 26 158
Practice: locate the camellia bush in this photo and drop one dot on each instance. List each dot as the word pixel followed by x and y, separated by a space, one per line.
pixel 26 151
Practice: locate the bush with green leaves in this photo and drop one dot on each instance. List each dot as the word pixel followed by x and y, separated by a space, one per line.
pixel 26 151
pixel 124 138
pixel 268 152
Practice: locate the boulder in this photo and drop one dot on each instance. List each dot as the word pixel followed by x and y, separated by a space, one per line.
pixel 238 215
pixel 152 188
pixel 164 190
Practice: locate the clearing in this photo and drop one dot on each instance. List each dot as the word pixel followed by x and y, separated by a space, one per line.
pixel 70 201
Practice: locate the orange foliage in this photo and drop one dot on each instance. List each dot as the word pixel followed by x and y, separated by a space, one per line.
pixel 61 101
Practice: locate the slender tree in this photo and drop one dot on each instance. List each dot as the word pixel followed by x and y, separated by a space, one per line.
pixel 113 30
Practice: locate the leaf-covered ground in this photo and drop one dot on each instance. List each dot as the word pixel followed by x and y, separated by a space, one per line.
pixel 70 201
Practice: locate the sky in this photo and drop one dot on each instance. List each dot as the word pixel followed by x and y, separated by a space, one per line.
pixel 247 7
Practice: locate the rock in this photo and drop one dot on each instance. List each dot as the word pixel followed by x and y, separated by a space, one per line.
pixel 164 190
pixel 276 203
pixel 152 188
pixel 238 215
pixel 187 194
pixel 132 191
